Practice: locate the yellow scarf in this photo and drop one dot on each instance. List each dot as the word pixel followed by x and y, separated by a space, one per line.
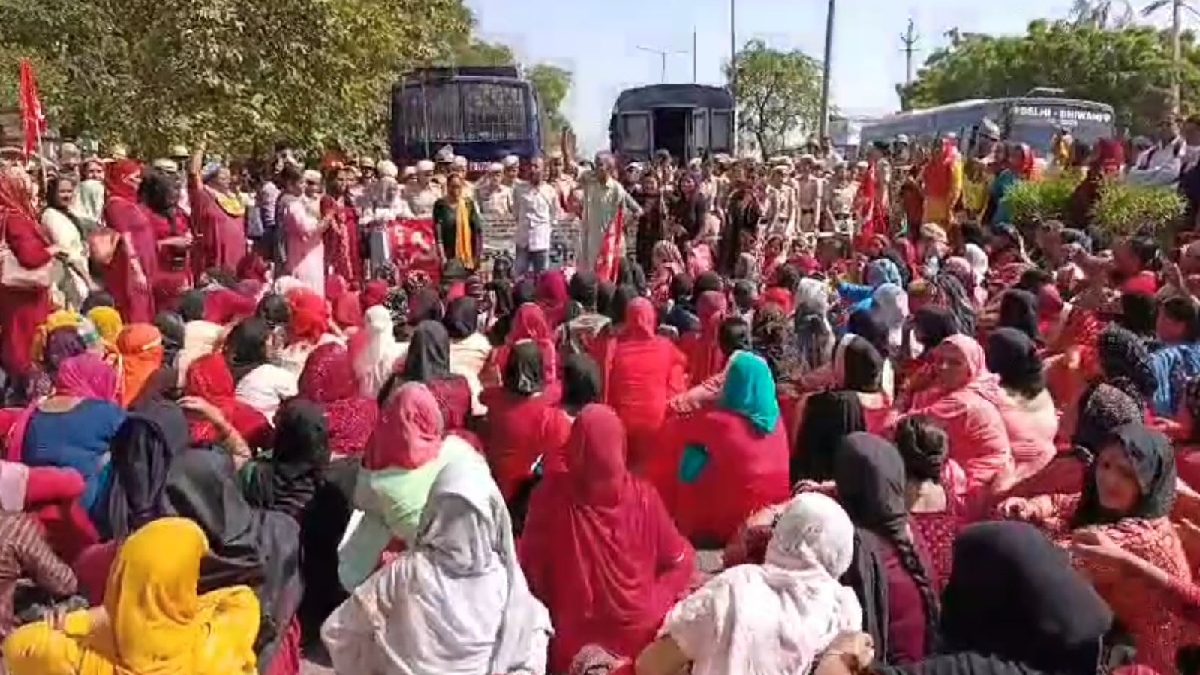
pixel 462 233
pixel 231 204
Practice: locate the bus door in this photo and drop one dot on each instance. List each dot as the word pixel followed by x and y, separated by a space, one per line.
pixel 720 131
pixel 698 138
pixel 636 130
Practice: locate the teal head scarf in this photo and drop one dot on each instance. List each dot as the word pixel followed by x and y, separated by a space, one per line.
pixel 750 391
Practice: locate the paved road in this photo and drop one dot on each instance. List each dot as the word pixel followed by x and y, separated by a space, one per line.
pixel 708 561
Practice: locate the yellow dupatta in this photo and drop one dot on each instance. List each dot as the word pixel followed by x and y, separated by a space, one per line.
pixel 462 233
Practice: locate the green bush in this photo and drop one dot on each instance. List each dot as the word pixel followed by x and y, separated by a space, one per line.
pixel 1123 209
pixel 1032 202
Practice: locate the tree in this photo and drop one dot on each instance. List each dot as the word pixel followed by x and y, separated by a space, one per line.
pixel 1177 7
pixel 778 93
pixel 481 53
pixel 552 85
pixel 1102 13
pixel 239 75
pixel 1129 68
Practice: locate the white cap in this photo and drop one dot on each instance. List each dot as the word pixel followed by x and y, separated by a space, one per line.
pixel 695 161
pixel 459 160
pixel 861 165
pixel 410 171
pixel 386 168
pixel 901 138
pixel 495 167
pixel 424 166
pixel 511 161
pixel 312 176
pixel 165 164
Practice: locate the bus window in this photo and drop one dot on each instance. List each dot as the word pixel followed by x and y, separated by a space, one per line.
pixel 720 128
pixel 635 132
pixel 493 112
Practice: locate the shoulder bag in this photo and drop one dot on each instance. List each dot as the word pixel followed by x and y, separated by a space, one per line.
pixel 12 273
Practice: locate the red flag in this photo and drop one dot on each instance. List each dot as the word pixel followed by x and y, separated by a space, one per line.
pixel 869 206
pixel 611 248
pixel 33 121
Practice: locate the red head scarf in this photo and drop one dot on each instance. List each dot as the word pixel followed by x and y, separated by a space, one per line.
pixel 1110 156
pixel 409 433
pixel 253 267
pixel 347 311
pixel 641 321
pixel 121 179
pixel 223 306
pixel 552 295
pixel 704 355
pixel 208 377
pixel 1020 160
pixel 777 295
pixel 529 323
pixel 310 316
pixel 328 380
pixel 594 540
pixel 15 195
pixel 375 293
pixel 335 288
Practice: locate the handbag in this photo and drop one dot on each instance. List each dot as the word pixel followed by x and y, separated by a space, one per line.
pixel 102 245
pixel 15 275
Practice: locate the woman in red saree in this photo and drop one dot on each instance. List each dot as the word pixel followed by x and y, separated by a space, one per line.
pixel 134 265
pixel 641 371
pixel 966 409
pixel 328 381
pixel 734 458
pixel 208 377
pixel 702 350
pixel 22 310
pixel 528 323
pixel 518 419
pixel 218 216
pixel 1127 497
pixel 158 198
pixel 599 549
pixel 341 239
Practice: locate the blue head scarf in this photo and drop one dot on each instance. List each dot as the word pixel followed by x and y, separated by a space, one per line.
pixel 750 391
pixel 883 271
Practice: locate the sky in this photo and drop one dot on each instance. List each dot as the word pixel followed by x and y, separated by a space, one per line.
pixel 599 40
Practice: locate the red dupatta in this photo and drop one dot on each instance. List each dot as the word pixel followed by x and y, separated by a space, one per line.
pixel 328 380
pixel 209 378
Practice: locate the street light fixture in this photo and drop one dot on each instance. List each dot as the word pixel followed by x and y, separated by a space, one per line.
pixel 663 54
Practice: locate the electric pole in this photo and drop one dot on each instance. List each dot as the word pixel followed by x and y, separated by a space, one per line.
pixel 909 39
pixel 733 70
pixel 827 68
pixel 695 56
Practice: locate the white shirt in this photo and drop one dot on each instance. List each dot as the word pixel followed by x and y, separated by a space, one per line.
pixel 536 208
pixel 1159 165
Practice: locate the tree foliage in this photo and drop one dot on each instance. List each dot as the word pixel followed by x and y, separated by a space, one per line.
pixel 237 74
pixel 1129 68
pixel 778 93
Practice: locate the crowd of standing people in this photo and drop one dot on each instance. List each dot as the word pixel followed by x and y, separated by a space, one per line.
pixel 241 429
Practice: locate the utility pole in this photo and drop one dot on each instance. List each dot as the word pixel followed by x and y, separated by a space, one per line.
pixel 695 56
pixel 733 69
pixel 1176 56
pixel 663 54
pixel 827 67
pixel 909 39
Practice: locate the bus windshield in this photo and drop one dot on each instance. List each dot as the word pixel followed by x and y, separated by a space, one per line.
pixel 465 111
pixel 1036 124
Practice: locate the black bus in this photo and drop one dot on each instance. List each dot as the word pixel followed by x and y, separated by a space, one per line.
pixel 687 120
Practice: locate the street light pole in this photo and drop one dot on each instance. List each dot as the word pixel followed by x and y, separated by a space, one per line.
pixel 662 54
pixel 827 68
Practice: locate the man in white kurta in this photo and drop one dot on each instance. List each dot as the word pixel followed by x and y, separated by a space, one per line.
pixel 602 196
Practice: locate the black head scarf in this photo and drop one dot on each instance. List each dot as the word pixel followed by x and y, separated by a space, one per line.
pixel 171 326
pixel 584 289
pixel 1125 362
pixel 708 281
pixel 934 324
pixel 428 353
pixel 861 364
pixel 829 416
pixel 289 479
pixel 1151 456
pixel 870 479
pixel 581 382
pixel 604 297
pixel 624 295
pixel 523 372
pixel 424 304
pixel 869 325
pixel 153 434
pixel 1013 356
pixel 1102 409
pixel 1013 596
pixel 522 292
pixel 1018 309
pixel 246 346
pixel 274 309
pixel 462 318
pixel 191 305
pixel 260 549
